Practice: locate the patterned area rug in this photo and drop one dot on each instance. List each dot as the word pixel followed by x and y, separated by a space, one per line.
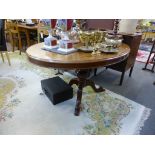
pixel 145 47
pixel 142 56
pixel 25 110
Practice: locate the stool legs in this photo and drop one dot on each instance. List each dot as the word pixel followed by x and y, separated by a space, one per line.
pixel 122 77
pixel 58 73
pixel 131 69
pixel 2 56
pixel 7 56
pixel 95 71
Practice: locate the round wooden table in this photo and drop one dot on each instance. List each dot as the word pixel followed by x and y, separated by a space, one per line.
pixel 79 61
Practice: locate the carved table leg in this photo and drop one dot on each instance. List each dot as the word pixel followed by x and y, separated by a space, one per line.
pixel 92 84
pixel 81 81
pixel 74 81
pixel 78 107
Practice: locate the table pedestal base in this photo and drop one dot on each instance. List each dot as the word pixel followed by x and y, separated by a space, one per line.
pixel 81 81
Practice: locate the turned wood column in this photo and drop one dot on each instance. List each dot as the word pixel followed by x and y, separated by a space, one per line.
pixel 82 81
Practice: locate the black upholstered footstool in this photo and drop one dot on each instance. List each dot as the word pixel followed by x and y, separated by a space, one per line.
pixel 57 90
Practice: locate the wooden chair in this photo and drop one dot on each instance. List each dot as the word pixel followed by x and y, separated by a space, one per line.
pixel 133 41
pixel 3 48
pixel 14 35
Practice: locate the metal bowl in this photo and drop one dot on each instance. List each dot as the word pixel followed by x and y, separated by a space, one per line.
pixel 91 37
pixel 113 40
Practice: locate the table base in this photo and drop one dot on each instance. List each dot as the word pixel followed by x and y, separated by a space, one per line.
pixel 82 81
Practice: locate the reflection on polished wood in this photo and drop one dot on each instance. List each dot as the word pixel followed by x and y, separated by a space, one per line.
pixel 77 60
pixel 80 61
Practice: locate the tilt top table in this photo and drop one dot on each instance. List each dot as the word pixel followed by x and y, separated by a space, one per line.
pixel 79 61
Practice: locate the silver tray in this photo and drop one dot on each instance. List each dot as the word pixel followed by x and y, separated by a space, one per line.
pixel 85 49
pixel 56 50
pixel 111 50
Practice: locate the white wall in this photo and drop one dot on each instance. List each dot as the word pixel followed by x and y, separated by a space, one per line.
pixel 128 25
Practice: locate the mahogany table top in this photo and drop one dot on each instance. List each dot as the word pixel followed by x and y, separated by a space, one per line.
pixel 76 60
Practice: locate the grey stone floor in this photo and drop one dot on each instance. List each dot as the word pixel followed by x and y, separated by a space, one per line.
pixel 138 88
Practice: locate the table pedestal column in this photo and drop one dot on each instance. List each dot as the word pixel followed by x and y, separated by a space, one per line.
pixel 82 81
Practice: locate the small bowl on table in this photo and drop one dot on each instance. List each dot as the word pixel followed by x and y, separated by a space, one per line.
pixel 113 40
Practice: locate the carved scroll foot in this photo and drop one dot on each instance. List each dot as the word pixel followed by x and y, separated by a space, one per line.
pixel 74 81
pixel 82 82
pixel 94 87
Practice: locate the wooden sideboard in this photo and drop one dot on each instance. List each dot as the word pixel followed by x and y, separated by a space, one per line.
pixel 133 41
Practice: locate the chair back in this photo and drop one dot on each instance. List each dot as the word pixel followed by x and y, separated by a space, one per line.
pixel 11 27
